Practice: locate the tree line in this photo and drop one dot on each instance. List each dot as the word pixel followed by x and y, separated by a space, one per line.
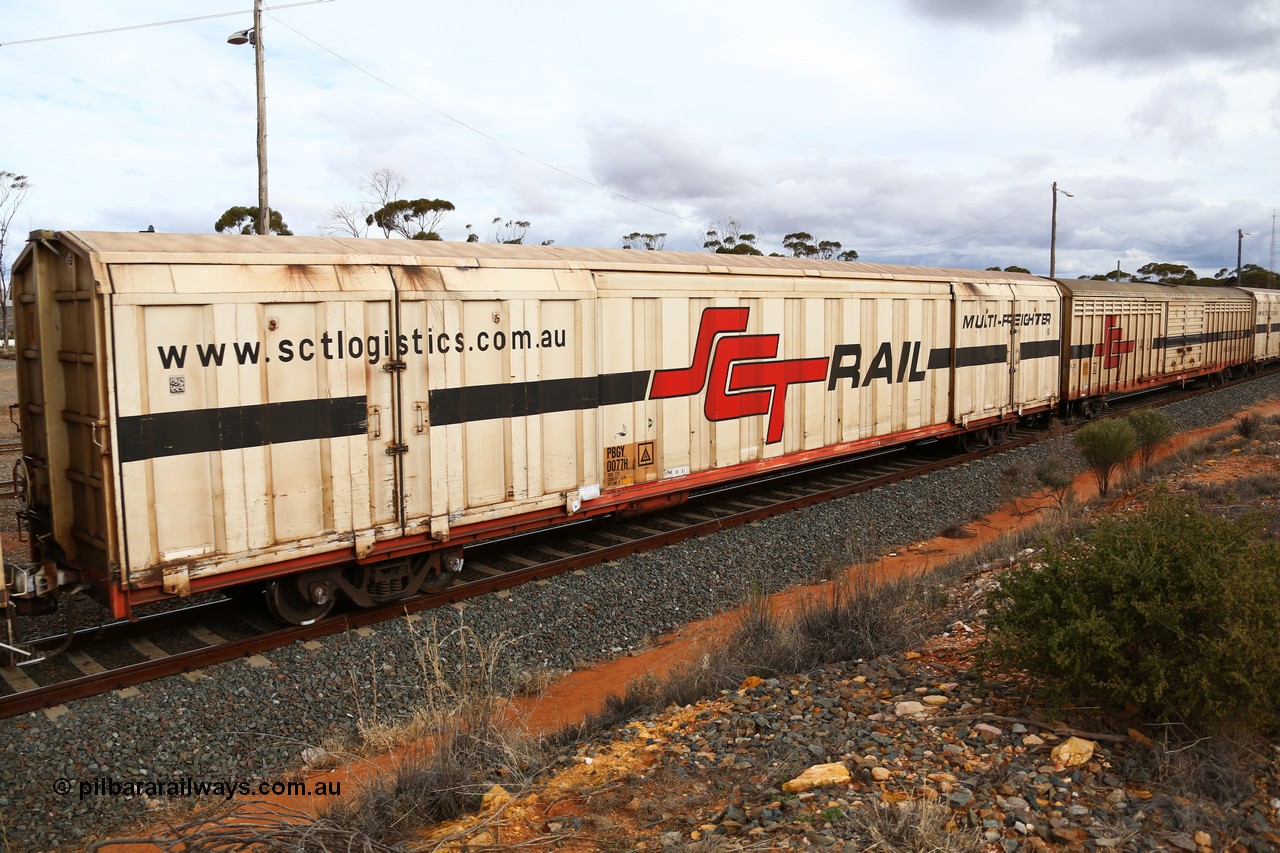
pixel 1251 275
pixel 384 206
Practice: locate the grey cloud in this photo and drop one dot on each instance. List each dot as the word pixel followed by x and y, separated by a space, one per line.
pixel 1166 32
pixel 1184 111
pixel 974 12
pixel 652 164
pixel 1130 33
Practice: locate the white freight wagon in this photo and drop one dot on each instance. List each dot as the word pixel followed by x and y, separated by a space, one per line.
pixel 1266 346
pixel 332 415
pixel 1127 337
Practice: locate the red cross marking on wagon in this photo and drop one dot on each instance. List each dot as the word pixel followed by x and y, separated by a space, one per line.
pixel 1112 347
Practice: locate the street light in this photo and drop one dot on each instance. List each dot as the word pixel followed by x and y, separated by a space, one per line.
pixel 1053 228
pixel 1240 235
pixel 254 37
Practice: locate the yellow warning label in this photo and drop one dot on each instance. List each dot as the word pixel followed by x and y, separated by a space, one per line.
pixel 625 464
pixel 619 465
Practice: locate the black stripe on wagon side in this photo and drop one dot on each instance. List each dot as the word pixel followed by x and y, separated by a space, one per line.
pixel 1083 350
pixel 235 427
pixel 1202 338
pixel 969 356
pixel 989 354
pixel 523 399
pixel 1039 349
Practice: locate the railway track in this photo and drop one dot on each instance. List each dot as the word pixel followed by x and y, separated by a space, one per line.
pixel 123 655
pixel 8 449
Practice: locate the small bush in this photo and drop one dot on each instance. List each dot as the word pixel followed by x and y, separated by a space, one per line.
pixel 1053 472
pixel 1106 446
pixel 1152 427
pixel 1169 609
pixel 1247 426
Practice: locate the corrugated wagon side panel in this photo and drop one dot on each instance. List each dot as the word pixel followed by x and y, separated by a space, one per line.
pixel 1230 331
pixel 1116 343
pixel 499 395
pixel 1037 346
pixel 1266 339
pixel 241 435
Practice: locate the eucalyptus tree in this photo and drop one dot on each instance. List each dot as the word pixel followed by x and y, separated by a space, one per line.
pixel 244 220
pixel 412 219
pixel 15 189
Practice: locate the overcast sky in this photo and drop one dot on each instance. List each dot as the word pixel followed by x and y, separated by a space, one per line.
pixel 914 131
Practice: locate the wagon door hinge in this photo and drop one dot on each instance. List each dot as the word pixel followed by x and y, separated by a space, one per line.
pixel 396 449
pixel 393 366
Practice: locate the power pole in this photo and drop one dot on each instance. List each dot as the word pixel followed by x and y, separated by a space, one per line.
pixel 264 212
pixel 1239 252
pixel 1273 249
pixel 1053 229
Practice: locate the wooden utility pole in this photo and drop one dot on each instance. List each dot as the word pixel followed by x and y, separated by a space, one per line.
pixel 1053 229
pixel 264 211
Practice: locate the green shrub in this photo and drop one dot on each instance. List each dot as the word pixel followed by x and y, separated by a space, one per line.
pixel 1168 609
pixel 1053 472
pixel 1152 427
pixel 1106 446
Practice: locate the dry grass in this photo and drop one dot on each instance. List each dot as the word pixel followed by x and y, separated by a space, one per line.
pixel 912 826
pixel 1200 783
pixel 863 617
pixel 471 744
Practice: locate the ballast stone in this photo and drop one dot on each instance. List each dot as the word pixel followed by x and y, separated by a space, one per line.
pixel 818 776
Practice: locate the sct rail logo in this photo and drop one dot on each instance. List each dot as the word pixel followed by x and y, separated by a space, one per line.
pixel 1112 347
pixel 744 377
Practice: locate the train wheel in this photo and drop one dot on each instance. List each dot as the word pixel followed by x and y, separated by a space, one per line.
pixel 441 576
pixel 1002 433
pixel 437 582
pixel 287 602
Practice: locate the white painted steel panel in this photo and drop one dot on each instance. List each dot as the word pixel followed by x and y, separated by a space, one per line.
pixel 236 366
pixel 731 347
pixel 1266 345
pixel 1007 349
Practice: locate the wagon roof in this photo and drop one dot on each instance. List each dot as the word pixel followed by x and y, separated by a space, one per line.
pixel 153 248
pixel 1130 289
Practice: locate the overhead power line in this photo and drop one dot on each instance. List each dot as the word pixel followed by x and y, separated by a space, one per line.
pixel 1121 231
pixel 481 133
pixel 154 24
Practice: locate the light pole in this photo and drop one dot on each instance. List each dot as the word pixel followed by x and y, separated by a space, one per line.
pixel 254 37
pixel 1240 235
pixel 1053 229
